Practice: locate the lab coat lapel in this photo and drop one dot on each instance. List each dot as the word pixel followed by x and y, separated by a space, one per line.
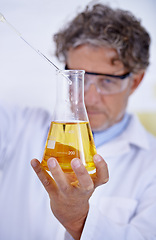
pixel 134 134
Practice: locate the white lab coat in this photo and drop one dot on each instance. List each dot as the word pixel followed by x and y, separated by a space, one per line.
pixel 124 208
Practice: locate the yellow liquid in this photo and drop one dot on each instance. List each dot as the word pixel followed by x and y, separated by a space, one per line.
pixel 67 141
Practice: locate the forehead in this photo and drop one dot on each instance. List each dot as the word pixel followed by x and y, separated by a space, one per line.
pixel 96 59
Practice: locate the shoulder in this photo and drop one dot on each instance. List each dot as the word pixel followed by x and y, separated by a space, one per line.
pixel 142 143
pixel 152 144
pixel 137 135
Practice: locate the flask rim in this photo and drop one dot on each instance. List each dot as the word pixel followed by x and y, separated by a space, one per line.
pixel 71 71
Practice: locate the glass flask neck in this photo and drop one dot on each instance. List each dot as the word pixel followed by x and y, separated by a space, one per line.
pixel 70 106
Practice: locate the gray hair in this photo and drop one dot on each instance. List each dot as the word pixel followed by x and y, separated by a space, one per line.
pixel 100 25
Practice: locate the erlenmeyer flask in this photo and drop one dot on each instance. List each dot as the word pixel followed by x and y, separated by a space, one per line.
pixel 70 134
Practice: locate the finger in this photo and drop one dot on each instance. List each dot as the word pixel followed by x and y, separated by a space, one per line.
pixel 102 175
pixel 83 176
pixel 58 175
pixel 44 177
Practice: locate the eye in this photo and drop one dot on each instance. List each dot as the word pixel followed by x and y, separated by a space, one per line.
pixel 107 81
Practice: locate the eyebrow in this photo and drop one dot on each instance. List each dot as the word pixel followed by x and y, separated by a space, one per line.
pixel 102 74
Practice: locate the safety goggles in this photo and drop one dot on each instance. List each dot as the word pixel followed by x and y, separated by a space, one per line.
pixel 105 83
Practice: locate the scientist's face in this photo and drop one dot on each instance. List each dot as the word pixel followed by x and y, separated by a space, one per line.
pixel 104 108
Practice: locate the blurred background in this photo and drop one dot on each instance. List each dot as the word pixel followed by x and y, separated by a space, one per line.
pixel 28 80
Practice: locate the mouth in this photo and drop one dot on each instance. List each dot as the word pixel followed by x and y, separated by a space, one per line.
pixel 93 111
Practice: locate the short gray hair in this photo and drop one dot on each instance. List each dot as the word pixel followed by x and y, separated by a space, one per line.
pixel 100 25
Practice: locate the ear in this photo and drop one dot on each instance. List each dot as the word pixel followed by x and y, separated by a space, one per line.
pixel 136 80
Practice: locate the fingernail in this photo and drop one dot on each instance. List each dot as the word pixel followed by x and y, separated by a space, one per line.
pixel 76 163
pixel 51 163
pixel 34 163
pixel 97 158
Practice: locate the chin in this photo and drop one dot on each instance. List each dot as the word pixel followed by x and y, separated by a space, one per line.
pixel 95 126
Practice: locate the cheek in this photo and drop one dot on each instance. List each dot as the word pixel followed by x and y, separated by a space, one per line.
pixel 116 103
pixel 121 102
pixel 99 122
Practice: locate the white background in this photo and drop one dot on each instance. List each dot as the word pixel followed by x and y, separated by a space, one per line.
pixel 28 80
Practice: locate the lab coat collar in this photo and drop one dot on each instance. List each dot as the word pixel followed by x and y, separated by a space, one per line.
pixel 134 134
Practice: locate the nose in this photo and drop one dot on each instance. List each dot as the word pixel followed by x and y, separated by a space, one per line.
pixel 92 96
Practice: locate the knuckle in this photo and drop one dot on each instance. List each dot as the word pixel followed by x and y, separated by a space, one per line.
pixel 46 182
pixel 90 188
pixel 104 180
pixel 65 189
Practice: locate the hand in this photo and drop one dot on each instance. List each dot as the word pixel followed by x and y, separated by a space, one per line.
pixel 69 193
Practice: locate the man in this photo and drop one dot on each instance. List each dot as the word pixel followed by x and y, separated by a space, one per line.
pixel 113 48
